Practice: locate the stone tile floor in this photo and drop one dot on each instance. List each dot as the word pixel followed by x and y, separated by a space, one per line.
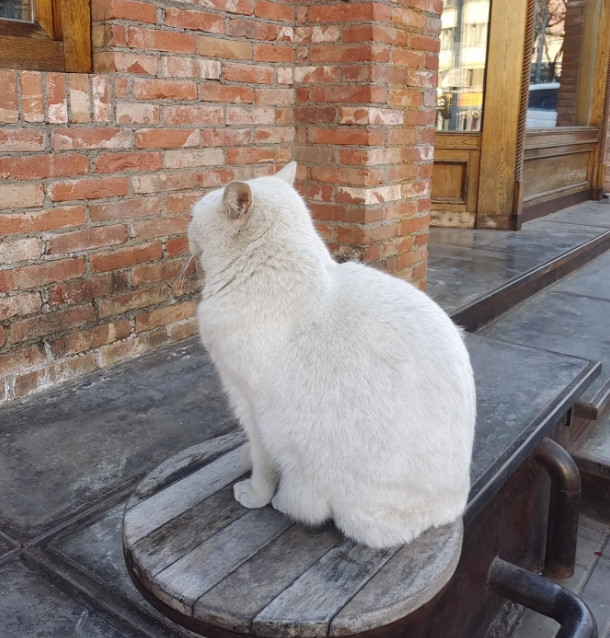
pixel 69 459
pixel 591 581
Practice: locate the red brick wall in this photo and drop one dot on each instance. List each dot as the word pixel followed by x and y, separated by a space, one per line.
pixel 99 171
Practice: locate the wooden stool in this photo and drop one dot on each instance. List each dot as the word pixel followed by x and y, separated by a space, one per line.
pixel 218 568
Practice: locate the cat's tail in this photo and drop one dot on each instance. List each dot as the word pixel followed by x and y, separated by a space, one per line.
pixel 383 529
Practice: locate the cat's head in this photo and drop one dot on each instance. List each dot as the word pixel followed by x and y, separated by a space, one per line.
pixel 227 219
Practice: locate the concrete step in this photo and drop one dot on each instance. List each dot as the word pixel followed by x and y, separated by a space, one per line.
pixel 571 317
pixel 478 275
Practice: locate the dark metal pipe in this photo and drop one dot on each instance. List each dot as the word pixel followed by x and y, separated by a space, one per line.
pixel 564 508
pixel 541 595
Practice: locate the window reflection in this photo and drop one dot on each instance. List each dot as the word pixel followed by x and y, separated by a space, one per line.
pixel 16 10
pixel 464 29
pixel 559 89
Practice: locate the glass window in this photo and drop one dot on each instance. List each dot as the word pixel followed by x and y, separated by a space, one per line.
pixel 17 10
pixel 560 82
pixel 464 29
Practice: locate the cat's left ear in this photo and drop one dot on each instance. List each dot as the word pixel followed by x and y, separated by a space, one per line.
pixel 288 173
pixel 237 199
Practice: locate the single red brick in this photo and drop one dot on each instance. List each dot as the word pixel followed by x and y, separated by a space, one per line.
pixel 119 162
pixel 349 135
pixel 316 114
pixel 88 239
pixel 240 116
pixel 226 137
pixel 273 53
pixel 43 166
pixel 183 329
pixel 193 115
pixel 180 67
pixel 38 275
pixel 164 316
pixel 352 12
pixel 160 182
pixel 125 257
pixel 177 247
pixel 8 96
pixel 231 49
pixel 160 271
pixel 277 135
pixel 193 158
pixel 227 94
pixel 100 90
pixel 164 89
pixel 57 101
pixel 90 138
pixel 80 99
pixel 36 221
pixel 242 7
pixel 349 94
pixel 161 40
pixel 160 227
pixel 21 196
pixel 249 155
pixel 142 298
pixel 21 140
pixel 137 113
pixel 198 20
pixel 129 10
pixel 250 73
pixel 166 138
pixel 88 188
pixel 183 202
pixel 251 29
pixel 277 97
pixel 32 100
pixel 125 209
pixel 274 11
pixel 20 305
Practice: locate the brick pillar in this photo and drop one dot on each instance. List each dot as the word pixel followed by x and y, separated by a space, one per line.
pixel 365 84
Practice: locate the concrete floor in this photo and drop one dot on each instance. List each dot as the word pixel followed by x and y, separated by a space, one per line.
pixel 69 458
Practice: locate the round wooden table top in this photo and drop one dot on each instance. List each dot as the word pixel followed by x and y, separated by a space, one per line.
pixel 216 567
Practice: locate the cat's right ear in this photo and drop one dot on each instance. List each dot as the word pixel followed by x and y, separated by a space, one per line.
pixel 237 199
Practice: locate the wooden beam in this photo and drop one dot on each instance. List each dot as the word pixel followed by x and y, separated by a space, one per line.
pixel 501 113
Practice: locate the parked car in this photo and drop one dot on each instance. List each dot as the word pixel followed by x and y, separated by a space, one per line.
pixel 542 105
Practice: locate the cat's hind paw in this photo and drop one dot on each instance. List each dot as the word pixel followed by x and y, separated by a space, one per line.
pixel 249 496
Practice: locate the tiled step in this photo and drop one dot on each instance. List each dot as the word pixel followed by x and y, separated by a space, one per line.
pixel 591 451
pixel 477 275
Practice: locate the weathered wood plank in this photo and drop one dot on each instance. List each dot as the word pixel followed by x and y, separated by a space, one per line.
pixel 235 601
pixel 414 575
pixel 306 607
pixel 186 580
pixel 184 533
pixel 160 508
pixel 185 462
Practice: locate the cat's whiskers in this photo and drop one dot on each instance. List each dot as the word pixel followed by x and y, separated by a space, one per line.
pixel 182 274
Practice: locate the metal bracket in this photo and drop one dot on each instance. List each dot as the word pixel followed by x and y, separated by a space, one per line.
pixel 564 508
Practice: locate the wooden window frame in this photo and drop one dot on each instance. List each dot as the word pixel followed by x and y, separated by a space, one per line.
pixel 58 40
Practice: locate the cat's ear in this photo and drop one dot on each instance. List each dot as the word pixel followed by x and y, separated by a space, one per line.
pixel 237 199
pixel 288 173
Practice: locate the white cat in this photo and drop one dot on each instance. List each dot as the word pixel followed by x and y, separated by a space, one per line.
pixel 355 389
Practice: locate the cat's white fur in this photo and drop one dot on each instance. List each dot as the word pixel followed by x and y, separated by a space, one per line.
pixel 355 389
